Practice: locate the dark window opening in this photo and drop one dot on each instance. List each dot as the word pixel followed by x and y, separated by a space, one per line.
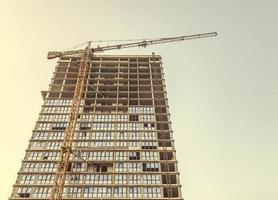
pixel 84 127
pixel 69 167
pixel 101 168
pixel 149 147
pixel 24 195
pixel 134 156
pixel 133 118
pixel 150 167
pixel 58 128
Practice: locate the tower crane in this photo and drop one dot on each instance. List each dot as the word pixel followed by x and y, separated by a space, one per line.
pixel 66 146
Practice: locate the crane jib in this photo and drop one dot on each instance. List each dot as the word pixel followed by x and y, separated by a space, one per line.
pixel 144 43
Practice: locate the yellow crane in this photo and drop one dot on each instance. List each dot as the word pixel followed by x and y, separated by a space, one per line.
pixel 86 54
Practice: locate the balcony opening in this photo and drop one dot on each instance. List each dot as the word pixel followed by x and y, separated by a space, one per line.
pixel 161 126
pixel 170 192
pixel 169 179
pixel 167 167
pixel 164 143
pixel 163 135
pixel 166 155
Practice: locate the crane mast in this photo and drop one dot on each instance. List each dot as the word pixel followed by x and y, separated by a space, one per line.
pixel 66 147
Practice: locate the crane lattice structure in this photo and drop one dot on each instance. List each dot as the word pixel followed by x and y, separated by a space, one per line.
pixel 86 54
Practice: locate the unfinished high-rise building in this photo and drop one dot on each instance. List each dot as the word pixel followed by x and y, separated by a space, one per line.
pixel 123 146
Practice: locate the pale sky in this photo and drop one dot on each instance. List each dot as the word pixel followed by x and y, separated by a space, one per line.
pixel 222 91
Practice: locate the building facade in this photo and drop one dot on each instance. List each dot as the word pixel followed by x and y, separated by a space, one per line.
pixel 123 145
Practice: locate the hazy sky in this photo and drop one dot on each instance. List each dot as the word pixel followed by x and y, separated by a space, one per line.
pixel 222 91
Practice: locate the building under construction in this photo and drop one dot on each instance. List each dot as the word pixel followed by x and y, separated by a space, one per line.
pixel 104 130
pixel 123 145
